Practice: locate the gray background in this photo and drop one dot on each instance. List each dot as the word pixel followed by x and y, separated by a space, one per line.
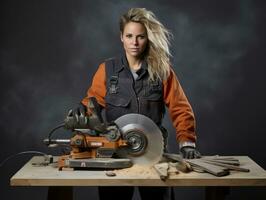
pixel 49 51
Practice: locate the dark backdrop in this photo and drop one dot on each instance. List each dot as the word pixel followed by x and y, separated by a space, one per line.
pixel 50 50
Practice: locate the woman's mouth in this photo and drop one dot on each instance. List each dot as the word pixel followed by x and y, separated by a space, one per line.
pixel 134 49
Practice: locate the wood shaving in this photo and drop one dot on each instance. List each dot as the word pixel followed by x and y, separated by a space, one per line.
pixel 136 170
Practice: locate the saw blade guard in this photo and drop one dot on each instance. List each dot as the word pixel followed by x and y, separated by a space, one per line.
pixel 144 138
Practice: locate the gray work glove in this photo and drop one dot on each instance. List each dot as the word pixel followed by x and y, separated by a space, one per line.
pixel 76 118
pixel 189 152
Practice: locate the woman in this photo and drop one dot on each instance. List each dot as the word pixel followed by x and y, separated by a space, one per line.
pixel 142 81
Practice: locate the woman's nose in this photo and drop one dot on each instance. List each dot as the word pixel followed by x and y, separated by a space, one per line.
pixel 135 41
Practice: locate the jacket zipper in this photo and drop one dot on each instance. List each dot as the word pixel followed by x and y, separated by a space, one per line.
pixel 138 105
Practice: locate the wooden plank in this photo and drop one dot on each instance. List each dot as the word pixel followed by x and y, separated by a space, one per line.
pixel 162 170
pixel 223 161
pixel 241 169
pixel 216 157
pixel 212 169
pixel 30 175
pixel 181 165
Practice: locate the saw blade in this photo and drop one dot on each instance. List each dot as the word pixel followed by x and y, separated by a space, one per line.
pixel 154 140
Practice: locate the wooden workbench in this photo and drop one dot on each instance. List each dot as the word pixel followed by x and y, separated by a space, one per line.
pixel 30 175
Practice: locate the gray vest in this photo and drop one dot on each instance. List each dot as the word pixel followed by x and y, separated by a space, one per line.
pixel 126 95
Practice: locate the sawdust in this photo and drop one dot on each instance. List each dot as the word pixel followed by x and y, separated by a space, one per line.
pixel 136 170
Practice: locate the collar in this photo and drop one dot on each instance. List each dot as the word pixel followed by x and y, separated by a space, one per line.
pixel 124 64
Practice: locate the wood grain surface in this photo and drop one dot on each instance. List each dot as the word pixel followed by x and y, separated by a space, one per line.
pixel 30 175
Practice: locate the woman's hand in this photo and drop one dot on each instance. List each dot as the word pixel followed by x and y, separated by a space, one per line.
pixel 189 152
pixel 76 118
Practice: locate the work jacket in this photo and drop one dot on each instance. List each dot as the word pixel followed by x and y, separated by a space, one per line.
pixel 117 91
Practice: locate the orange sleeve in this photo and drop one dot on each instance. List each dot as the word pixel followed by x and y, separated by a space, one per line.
pixel 98 87
pixel 179 108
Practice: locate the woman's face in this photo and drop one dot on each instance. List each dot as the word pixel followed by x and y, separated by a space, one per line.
pixel 134 39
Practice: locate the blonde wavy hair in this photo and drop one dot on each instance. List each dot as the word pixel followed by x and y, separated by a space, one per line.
pixel 157 53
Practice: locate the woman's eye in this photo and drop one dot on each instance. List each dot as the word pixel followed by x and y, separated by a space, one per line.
pixel 128 36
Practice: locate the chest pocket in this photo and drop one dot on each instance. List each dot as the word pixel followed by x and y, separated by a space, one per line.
pixel 151 103
pixel 116 106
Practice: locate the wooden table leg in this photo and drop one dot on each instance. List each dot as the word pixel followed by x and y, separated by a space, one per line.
pixel 216 192
pixel 60 192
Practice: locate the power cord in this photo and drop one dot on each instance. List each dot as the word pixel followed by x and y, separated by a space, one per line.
pixel 54 129
pixel 47 158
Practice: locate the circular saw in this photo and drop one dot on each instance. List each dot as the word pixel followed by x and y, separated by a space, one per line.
pixel 144 139
pixel 131 139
